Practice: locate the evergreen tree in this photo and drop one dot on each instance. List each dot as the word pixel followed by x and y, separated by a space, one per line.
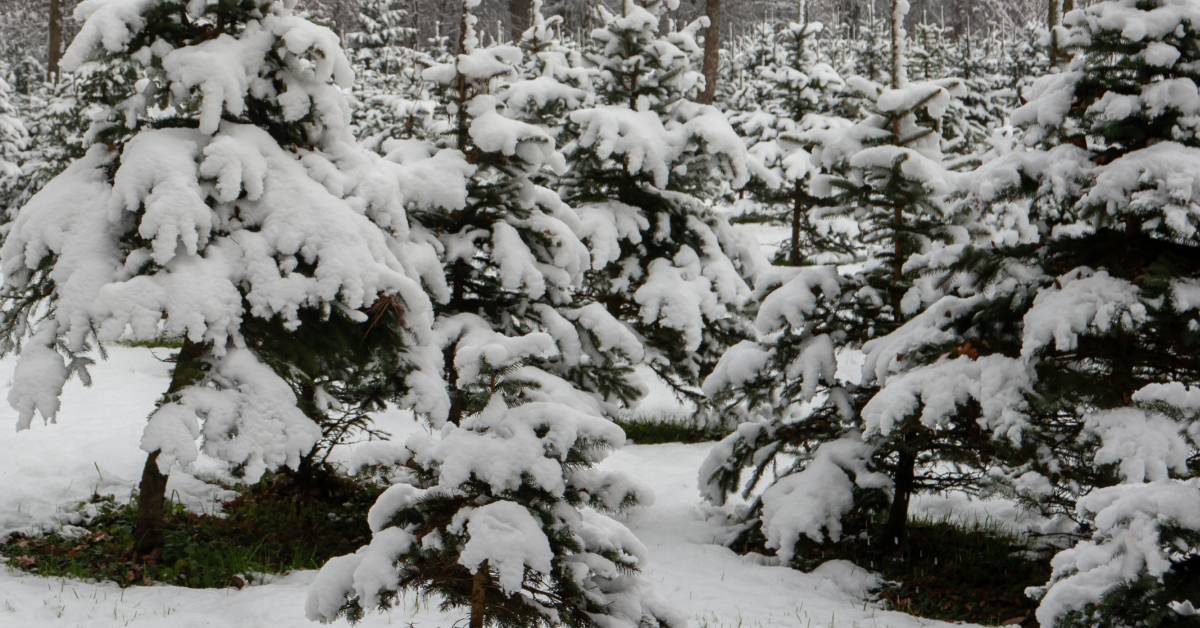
pixel 554 80
pixel 885 175
pixel 793 102
pixel 60 121
pixel 13 139
pixel 1068 335
pixel 931 48
pixel 501 511
pixel 642 164
pixel 220 200
pixel 867 47
pixel 383 27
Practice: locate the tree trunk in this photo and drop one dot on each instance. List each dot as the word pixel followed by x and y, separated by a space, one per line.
pixel 461 134
pixel 152 492
pixel 898 45
pixel 798 210
pixel 55 43
pixel 712 51
pixel 479 596
pixel 897 523
pixel 519 17
pixel 152 497
pixel 894 529
pixel 1053 14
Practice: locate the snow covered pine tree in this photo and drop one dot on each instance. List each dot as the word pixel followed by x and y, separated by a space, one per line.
pixel 1069 335
pixel 783 110
pixel 499 510
pixel 643 162
pixel 224 202
pixel 885 175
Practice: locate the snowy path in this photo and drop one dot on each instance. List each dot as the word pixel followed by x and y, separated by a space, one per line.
pixel 44 470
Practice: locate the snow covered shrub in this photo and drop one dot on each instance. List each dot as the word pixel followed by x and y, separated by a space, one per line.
pixel 221 200
pixel 643 163
pixel 1067 336
pixel 802 413
pixel 500 510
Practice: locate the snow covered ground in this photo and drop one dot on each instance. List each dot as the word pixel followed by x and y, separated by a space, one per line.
pixel 46 470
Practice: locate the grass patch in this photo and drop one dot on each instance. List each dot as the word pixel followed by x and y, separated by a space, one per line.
pixel 975 573
pixel 950 571
pixel 756 217
pixel 157 343
pixel 276 526
pixel 669 429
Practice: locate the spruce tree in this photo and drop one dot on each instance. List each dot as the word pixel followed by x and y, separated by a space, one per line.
pixel 500 511
pixel 643 164
pixel 60 121
pixel 1068 334
pixel 800 410
pixel 221 200
pixel 383 28
pixel 793 103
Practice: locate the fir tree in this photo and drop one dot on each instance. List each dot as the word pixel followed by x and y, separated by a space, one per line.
pixel 1068 335
pixel 883 174
pixel 383 28
pixel 501 511
pixel 60 121
pixel 793 102
pixel 642 164
pixel 200 210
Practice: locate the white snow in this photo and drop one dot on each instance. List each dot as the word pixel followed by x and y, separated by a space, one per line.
pixel 46 469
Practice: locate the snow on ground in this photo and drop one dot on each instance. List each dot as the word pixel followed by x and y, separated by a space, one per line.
pixel 45 470
pixel 769 236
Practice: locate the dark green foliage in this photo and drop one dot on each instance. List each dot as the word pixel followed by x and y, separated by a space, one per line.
pixel 949 570
pixel 1144 603
pixel 359 365
pixel 969 573
pixel 281 524
pixel 655 430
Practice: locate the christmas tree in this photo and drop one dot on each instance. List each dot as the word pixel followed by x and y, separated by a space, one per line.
pixel 500 511
pixel 642 164
pixel 1066 335
pixel 884 175
pixel 221 200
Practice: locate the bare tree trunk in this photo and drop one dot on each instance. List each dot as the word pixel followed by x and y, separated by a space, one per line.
pixel 1053 15
pixel 519 17
pixel 896 528
pixel 898 45
pixel 712 51
pixel 479 596
pixel 152 492
pixel 55 43
pixel 152 496
pixel 897 521
pixel 798 215
pixel 461 80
